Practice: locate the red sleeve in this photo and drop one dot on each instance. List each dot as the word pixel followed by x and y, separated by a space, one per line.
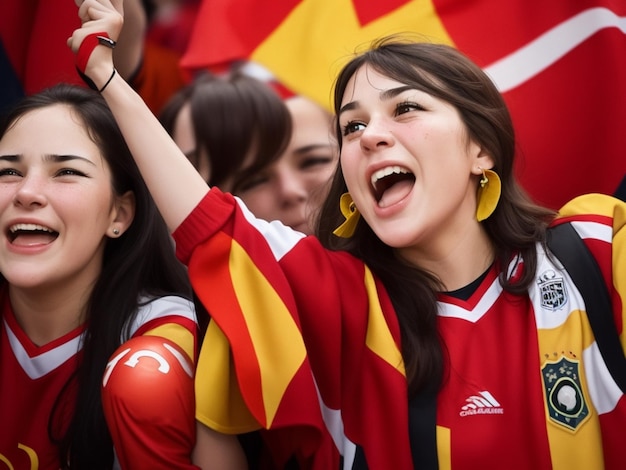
pixel 148 400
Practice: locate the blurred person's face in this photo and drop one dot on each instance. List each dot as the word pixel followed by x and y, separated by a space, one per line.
pixel 292 189
pixel 185 138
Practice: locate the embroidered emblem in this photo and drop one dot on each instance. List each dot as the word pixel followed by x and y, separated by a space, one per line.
pixel 553 291
pixel 482 403
pixel 565 400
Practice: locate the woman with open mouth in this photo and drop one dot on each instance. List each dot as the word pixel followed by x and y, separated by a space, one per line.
pixel 98 331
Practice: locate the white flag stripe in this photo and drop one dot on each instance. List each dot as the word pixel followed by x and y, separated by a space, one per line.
pixel 539 54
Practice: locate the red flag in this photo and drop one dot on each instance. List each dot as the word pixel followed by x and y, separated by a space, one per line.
pixel 559 65
pixel 34 34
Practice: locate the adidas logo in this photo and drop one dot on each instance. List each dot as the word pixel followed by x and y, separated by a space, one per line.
pixel 482 404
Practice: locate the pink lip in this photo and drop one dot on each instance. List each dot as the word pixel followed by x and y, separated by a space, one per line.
pixel 26 249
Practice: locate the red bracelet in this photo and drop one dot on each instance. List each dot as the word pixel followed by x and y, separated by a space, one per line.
pixel 88 45
pixel 84 52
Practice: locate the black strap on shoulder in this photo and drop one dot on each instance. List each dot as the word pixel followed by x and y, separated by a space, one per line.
pixel 569 248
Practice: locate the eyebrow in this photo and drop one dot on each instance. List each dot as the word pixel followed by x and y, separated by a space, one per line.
pixel 312 147
pixel 49 158
pixel 384 95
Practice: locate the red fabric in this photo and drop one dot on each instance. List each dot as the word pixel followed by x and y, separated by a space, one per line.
pixel 35 34
pixel 569 118
pixel 148 400
pixel 226 30
pixel 499 347
pixel 348 374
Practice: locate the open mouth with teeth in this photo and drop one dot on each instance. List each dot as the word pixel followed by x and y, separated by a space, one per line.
pixel 31 234
pixel 392 184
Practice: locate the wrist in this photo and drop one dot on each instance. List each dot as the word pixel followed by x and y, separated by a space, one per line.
pixel 96 74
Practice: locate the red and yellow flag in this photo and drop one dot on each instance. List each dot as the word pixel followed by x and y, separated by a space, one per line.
pixel 559 64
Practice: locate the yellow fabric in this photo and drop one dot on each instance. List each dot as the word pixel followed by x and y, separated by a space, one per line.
pixel 378 337
pixel 179 335
pixel 219 404
pixel 329 30
pixel 443 448
pixel 578 330
pixel 275 335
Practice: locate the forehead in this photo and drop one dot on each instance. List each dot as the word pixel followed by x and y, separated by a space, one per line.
pixel 368 80
pixel 308 117
pixel 58 130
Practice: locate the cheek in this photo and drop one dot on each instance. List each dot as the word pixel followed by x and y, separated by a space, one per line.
pixel 349 170
pixel 260 203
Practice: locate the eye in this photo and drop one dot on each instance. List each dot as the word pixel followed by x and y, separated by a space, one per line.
pixel 407 107
pixel 70 172
pixel 352 126
pixel 249 183
pixel 316 161
pixel 9 172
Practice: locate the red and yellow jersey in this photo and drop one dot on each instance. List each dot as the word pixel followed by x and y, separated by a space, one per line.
pixel 158 360
pixel 305 343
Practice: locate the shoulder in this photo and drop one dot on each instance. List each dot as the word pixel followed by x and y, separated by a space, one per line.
pixel 595 216
pixel 148 402
pixel 160 310
pixel 594 205
pixel 145 373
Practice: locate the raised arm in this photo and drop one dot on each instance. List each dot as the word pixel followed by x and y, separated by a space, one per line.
pixel 174 183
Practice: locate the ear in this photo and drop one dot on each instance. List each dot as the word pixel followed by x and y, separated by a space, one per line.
pixel 482 161
pixel 122 214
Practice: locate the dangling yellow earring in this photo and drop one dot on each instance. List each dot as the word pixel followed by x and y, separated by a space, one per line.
pixel 488 194
pixel 352 215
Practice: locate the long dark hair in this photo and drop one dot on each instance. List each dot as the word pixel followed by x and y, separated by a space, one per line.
pixel 515 227
pixel 141 262
pixel 231 114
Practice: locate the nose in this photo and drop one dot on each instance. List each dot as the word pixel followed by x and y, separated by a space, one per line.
pixel 376 134
pixel 29 193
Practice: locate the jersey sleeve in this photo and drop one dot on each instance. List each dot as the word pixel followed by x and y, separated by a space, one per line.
pixel 148 401
pixel 297 333
pixel 148 389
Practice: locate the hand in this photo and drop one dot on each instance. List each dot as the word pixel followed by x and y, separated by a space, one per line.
pixel 98 16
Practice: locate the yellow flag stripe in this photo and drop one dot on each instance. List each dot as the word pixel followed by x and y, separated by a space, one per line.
pixel 274 334
pixel 378 337
pixel 329 32
pixel 219 404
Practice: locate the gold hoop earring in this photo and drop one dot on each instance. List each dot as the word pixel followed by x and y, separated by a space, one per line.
pixel 488 194
pixel 352 215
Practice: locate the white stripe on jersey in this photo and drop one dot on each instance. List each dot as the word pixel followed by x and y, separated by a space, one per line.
pixel 38 366
pixel 162 307
pixel 594 230
pixel 603 390
pixel 483 306
pixel 280 238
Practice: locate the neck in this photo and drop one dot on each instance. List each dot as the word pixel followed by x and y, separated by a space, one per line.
pixel 457 261
pixel 46 314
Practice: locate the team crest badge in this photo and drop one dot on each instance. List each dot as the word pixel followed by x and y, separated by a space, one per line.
pixel 565 400
pixel 552 290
